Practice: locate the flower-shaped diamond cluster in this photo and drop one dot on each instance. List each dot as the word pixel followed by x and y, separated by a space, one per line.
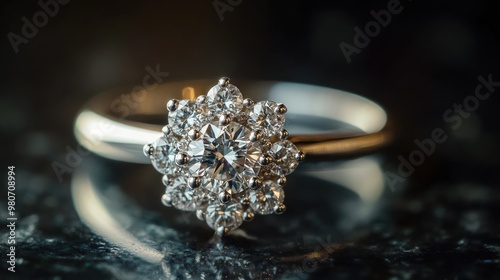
pixel 224 157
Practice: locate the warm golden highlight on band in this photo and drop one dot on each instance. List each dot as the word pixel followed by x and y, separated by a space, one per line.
pixel 321 121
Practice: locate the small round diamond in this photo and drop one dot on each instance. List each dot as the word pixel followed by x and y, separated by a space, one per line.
pixel 182 196
pixel 228 215
pixel 266 198
pixel 263 116
pixel 225 99
pixel 164 151
pixel 284 154
pixel 188 115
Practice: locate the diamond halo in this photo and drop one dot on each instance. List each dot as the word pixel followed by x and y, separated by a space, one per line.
pixel 224 157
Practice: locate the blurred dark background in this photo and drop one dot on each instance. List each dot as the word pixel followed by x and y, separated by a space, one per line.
pixel 427 58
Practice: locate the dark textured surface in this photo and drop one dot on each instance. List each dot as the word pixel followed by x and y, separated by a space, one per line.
pixel 447 232
pixel 442 222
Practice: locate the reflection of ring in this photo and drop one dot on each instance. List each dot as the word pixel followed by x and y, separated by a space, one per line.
pixel 109 202
pixel 224 156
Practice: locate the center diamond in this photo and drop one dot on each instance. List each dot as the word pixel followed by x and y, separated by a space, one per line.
pixel 224 153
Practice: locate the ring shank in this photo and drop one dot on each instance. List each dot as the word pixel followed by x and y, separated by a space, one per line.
pixel 321 121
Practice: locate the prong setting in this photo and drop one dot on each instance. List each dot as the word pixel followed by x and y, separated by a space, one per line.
pixel 181 159
pixel 248 102
pixel 200 214
pixel 282 181
pixel 166 200
pixel 265 159
pixel 222 231
pixel 166 180
pixel 255 183
pixel 166 130
pixel 201 99
pixel 300 156
pixel 248 216
pixel 281 109
pixel 148 150
pixel 266 145
pixel 245 200
pixel 256 135
pixel 172 105
pixel 194 182
pixel 194 134
pixel 279 209
pixel 225 196
pixel 224 119
pixel 224 82
pixel 284 134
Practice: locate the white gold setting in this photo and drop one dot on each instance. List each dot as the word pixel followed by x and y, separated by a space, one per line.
pixel 224 157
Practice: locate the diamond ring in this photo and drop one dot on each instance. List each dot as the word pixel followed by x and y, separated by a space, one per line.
pixel 226 157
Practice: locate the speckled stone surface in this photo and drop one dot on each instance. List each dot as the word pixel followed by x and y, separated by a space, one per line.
pixel 448 232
